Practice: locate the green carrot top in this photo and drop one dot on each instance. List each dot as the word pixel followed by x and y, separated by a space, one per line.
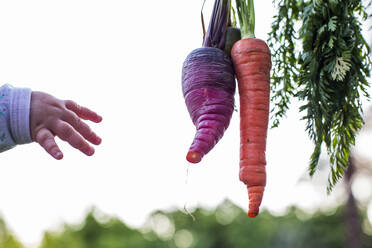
pixel 245 9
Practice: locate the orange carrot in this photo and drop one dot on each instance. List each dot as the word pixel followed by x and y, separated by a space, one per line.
pixel 252 63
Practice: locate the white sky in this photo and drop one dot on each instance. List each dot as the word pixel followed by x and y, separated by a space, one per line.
pixel 123 59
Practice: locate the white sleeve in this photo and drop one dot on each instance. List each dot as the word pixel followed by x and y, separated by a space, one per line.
pixel 14 116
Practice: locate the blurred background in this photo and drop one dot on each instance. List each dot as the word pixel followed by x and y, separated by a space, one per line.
pixel 123 59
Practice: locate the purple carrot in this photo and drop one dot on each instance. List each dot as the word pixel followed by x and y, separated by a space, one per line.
pixel 208 85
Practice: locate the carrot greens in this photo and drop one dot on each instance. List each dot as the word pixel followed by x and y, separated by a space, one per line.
pixel 327 73
pixel 246 15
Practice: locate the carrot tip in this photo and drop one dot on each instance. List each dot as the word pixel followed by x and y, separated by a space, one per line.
pixel 252 215
pixel 193 157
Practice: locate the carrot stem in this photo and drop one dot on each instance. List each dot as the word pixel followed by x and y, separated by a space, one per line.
pixel 245 9
pixel 202 20
pixel 216 33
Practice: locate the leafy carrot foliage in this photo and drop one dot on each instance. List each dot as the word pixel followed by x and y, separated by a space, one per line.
pixel 327 71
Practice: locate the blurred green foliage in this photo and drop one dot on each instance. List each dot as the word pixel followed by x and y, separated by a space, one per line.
pixel 225 226
pixel 7 240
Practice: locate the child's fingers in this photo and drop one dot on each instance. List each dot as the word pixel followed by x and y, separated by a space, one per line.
pixel 46 139
pixel 67 133
pixel 81 127
pixel 83 112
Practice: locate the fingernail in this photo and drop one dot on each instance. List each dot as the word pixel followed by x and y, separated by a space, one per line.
pixel 58 155
pixel 90 152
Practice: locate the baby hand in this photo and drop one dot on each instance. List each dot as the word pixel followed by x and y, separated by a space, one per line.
pixel 51 117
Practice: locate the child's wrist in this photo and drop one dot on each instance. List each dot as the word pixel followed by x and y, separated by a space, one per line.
pixel 19 108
